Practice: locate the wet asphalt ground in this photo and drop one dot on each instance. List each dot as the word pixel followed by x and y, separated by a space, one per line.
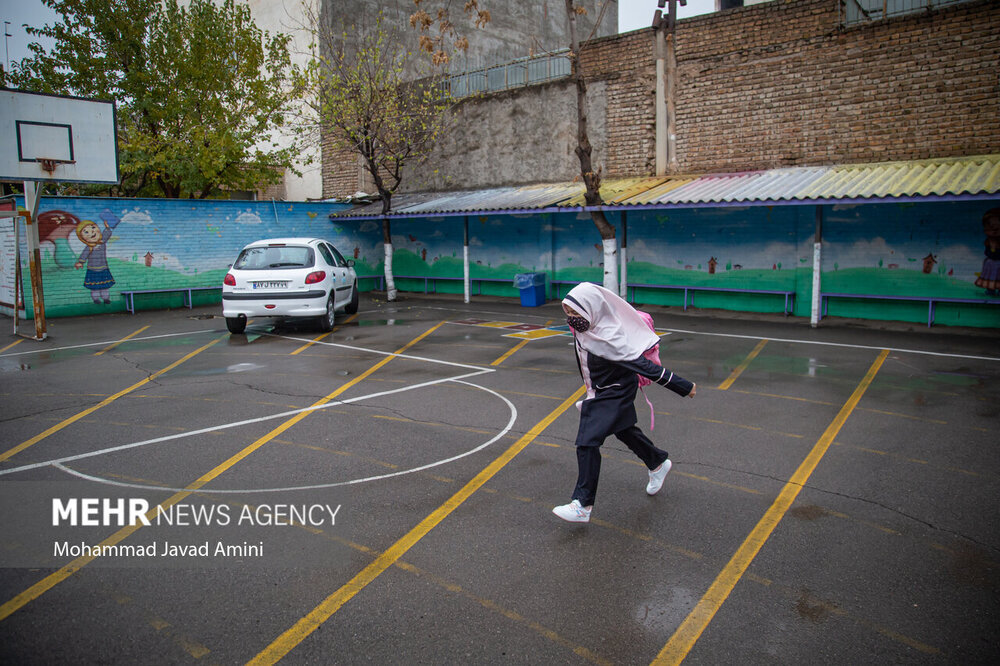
pixel 383 493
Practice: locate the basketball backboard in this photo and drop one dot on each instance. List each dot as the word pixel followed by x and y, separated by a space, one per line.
pixel 57 138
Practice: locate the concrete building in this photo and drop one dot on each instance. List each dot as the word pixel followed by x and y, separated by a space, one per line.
pixel 516 30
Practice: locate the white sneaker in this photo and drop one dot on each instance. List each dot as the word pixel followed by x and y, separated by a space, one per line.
pixel 657 476
pixel 573 512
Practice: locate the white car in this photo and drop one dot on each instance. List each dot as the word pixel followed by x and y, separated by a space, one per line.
pixel 289 277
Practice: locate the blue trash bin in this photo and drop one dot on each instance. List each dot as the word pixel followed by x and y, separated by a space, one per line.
pixel 532 287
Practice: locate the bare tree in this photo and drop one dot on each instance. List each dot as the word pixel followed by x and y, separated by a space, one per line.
pixel 584 150
pixel 591 176
pixel 438 35
pixel 362 101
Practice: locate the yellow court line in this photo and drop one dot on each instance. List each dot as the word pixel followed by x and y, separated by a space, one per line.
pixel 509 353
pixel 298 632
pixel 16 342
pixel 514 348
pixel 107 401
pixel 68 570
pixel 115 344
pixel 320 337
pixel 742 366
pixel 680 644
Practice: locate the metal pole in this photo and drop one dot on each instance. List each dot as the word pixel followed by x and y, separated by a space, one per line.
pixel 623 285
pixel 31 199
pixel 817 266
pixel 18 289
pixel 465 262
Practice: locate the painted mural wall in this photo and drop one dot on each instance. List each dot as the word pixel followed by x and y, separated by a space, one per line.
pixel 94 248
pixel 901 249
pixel 895 249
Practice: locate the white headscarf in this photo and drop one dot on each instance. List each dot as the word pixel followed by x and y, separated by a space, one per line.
pixel 617 332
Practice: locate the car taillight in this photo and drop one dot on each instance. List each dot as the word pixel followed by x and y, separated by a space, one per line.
pixel 229 279
pixel 315 276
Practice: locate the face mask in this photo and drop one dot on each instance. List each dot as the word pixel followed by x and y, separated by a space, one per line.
pixel 578 323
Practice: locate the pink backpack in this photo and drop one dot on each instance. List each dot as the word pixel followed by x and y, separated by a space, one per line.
pixel 652 354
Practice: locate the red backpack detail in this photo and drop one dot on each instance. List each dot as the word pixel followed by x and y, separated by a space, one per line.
pixel 652 354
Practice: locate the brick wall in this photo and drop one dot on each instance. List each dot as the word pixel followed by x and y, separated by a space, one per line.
pixel 782 84
pixel 775 84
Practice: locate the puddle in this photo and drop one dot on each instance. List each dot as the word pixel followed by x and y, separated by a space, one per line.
pixel 374 322
pixel 228 370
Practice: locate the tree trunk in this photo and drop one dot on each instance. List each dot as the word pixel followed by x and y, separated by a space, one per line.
pixel 386 194
pixel 390 282
pixel 591 178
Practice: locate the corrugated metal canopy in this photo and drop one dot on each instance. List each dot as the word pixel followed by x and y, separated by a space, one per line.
pixel 944 178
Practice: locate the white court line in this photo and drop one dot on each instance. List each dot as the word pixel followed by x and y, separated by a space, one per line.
pixel 237 424
pixel 837 344
pixel 380 352
pixel 105 344
pixel 377 352
pixel 319 486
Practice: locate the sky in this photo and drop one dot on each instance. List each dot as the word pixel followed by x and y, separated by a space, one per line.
pixel 635 14
pixel 632 15
pixel 15 13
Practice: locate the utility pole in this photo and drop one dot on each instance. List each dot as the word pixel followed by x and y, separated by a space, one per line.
pixel 666 85
pixel 6 46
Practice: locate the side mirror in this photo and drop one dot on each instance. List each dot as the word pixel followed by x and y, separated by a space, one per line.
pixel 350 263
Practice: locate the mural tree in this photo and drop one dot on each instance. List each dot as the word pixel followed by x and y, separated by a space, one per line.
pixel 365 100
pixel 200 90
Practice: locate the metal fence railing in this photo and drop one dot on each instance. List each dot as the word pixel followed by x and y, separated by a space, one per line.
pixel 854 12
pixel 514 74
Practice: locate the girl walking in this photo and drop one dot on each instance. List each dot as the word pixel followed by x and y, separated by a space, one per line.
pixel 610 338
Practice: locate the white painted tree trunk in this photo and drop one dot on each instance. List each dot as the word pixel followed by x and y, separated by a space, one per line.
pixel 610 264
pixel 390 283
pixel 623 285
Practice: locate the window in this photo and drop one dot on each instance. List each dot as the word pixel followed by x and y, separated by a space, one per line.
pixel 339 257
pixel 324 249
pixel 854 12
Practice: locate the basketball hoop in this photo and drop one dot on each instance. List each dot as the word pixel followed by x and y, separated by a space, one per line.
pixel 49 164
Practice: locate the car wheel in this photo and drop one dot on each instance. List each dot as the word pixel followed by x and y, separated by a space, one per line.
pixel 326 321
pixel 236 324
pixel 352 307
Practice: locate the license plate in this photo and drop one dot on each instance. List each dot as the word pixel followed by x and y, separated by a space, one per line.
pixel 270 285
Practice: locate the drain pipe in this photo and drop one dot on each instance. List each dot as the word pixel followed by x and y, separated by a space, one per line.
pixel 666 84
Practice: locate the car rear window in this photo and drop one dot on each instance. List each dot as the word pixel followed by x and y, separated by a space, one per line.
pixel 285 256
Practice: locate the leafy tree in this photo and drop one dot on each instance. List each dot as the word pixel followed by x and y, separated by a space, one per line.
pixel 359 90
pixel 201 92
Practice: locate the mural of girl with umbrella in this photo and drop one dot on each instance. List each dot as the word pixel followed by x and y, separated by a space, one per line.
pixel 98 278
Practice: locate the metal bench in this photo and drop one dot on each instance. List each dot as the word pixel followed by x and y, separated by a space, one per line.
pixel 430 282
pixel 931 300
pixel 129 294
pixel 688 299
